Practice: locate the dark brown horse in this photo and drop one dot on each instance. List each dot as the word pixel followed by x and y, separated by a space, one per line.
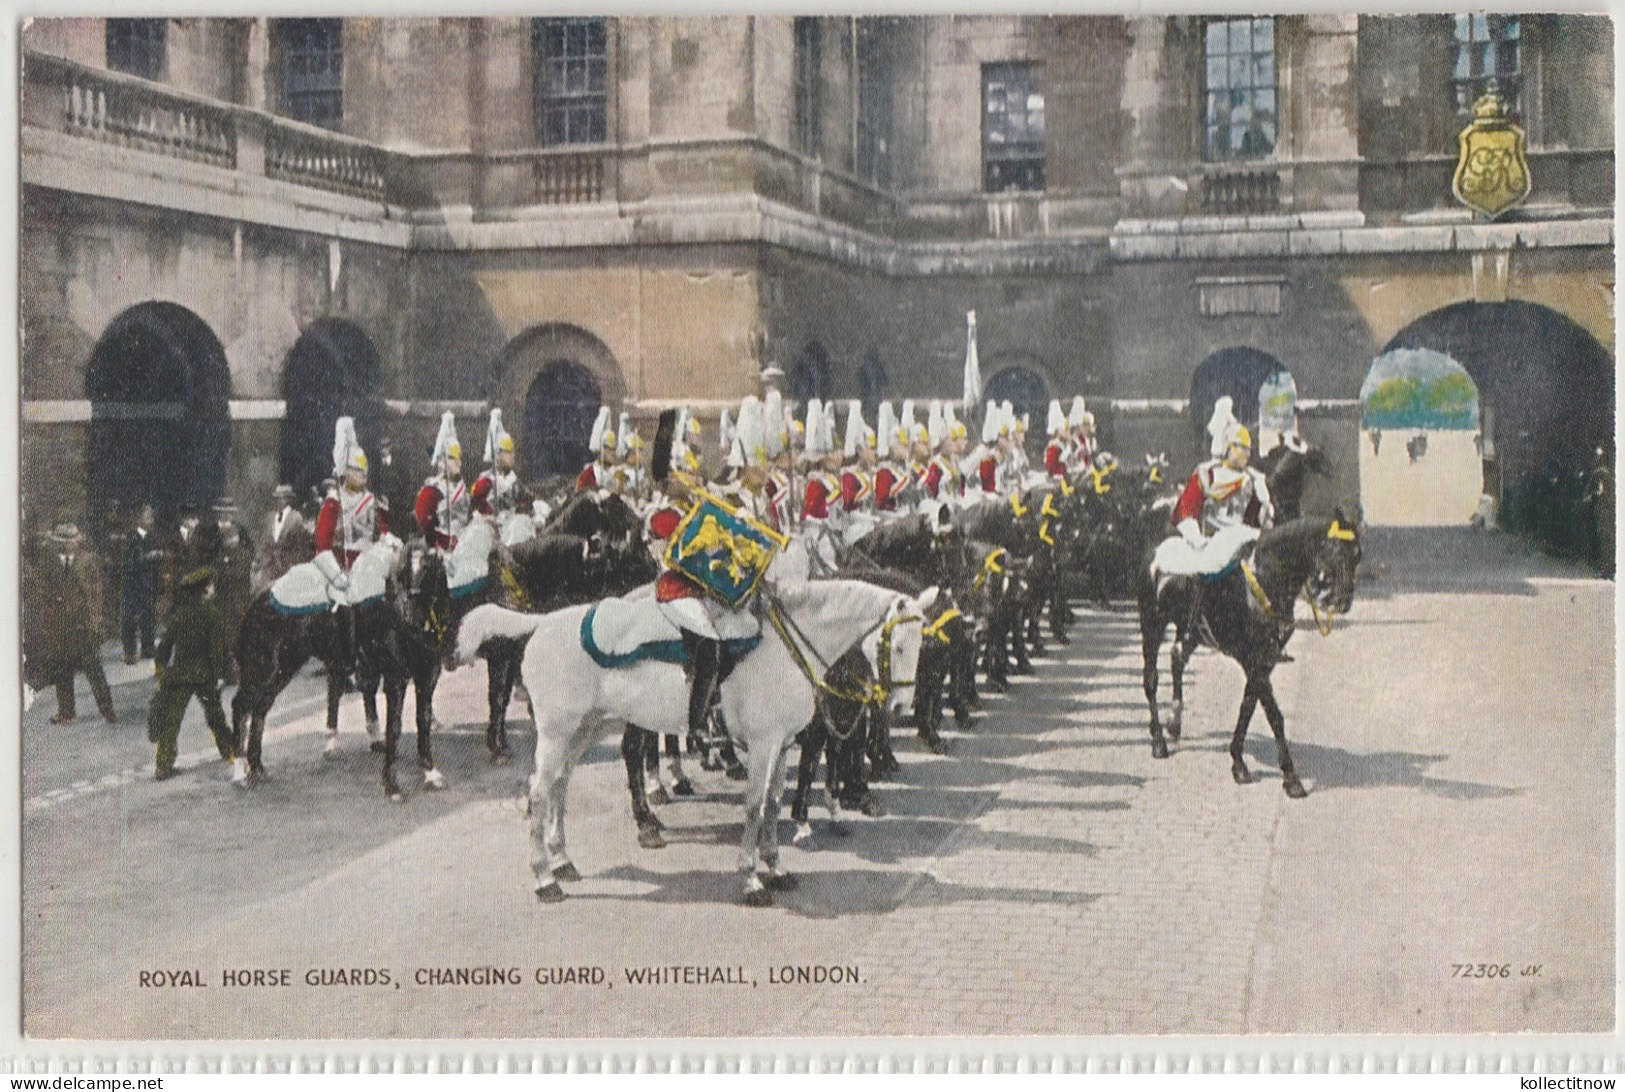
pixel 1250 623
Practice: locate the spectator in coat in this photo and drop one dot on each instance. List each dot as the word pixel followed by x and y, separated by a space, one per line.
pixel 68 591
pixel 142 574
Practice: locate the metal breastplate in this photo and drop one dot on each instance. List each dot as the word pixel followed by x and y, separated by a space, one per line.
pixel 503 492
pixel 456 506
pixel 359 520
pixel 1222 507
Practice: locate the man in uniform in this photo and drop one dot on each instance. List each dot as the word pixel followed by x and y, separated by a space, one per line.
pixel 191 661
pixel 981 470
pixel 821 509
pixel 226 550
pixel 631 479
pixel 1058 452
pixel 142 573
pixel 1224 491
pixel 443 506
pixel 943 480
pixel 496 490
pixel 70 595
pixel 1084 445
pixel 350 520
pixel 600 473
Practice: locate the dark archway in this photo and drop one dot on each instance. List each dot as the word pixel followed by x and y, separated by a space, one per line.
pixel 811 376
pixel 1546 398
pixel 1239 372
pixel 160 420
pixel 332 371
pixel 1543 380
pixel 560 407
pixel 1024 389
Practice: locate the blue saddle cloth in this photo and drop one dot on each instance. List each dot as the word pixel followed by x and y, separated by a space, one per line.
pixel 663 651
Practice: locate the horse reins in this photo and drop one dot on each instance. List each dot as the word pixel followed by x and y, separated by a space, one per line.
pixel 1323 623
pixel 872 693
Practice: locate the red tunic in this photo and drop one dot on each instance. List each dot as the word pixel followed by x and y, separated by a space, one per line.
pixel 1194 499
pixel 672 584
pixel 988 471
pixel 818 494
pixel 427 513
pixel 887 487
pixel 481 494
pixel 854 490
pixel 1055 459
pixel 588 478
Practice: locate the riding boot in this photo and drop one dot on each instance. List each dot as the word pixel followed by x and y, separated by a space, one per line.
pixel 347 657
pixel 706 661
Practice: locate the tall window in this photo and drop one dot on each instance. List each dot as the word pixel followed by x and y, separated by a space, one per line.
pixel 312 57
pixel 1242 117
pixel 808 64
pixel 1487 48
pixel 1012 127
pixel 136 46
pixel 874 101
pixel 571 80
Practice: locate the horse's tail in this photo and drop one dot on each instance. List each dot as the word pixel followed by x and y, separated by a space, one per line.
pixel 489 622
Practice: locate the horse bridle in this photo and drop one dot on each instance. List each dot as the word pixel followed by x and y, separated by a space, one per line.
pixel 871 693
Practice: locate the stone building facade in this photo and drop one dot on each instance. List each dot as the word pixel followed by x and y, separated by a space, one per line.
pixel 235 229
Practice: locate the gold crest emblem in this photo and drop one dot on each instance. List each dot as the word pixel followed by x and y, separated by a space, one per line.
pixel 1492 174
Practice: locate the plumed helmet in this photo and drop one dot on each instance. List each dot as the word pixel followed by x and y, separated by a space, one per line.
pixel 1078 415
pixel 602 434
pixel 992 423
pixel 749 437
pixel 347 453
pixel 815 427
pixel 1007 418
pixel 858 431
pixel 956 429
pixel 445 441
pixel 496 437
pixel 725 432
pixel 1219 426
pixel 886 429
pixel 936 427
pixel 1056 423
pixel 775 437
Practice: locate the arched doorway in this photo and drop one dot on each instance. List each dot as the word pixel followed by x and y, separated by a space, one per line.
pixel 332 371
pixel 811 376
pixel 160 423
pixel 1241 373
pixel 1024 389
pixel 1420 444
pixel 1546 399
pixel 560 407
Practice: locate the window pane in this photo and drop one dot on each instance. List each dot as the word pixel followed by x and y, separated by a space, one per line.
pixel 1215 38
pixel 1481 28
pixel 1264 35
pixel 570 74
pixel 1215 72
pixel 1264 70
pixel 1463 34
pixel 1238 71
pixel 1240 32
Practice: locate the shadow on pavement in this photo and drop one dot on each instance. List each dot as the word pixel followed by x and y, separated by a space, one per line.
pixel 1399 560
pixel 1336 768
pixel 832 894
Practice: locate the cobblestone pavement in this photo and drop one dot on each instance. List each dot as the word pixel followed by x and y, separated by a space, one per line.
pixel 1047 877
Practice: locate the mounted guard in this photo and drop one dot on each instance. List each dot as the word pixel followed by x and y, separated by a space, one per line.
pixel 444 506
pixel 600 473
pixel 858 503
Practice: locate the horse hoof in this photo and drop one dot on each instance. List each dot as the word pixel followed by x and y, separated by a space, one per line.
pixel 780 881
pixel 803 838
pixel 567 872
pixel 331 747
pixel 377 747
pixel 683 787
pixel 935 743
pixel 1159 749
pixel 372 729
pixel 1242 774
pixel 550 892
pixel 738 773
pixel 1173 732
pixel 760 896
pixel 658 796
pixel 871 807
pixel 396 795
pixel 434 780
pixel 501 758
pixel 1294 788
pixel 649 837
pixel 962 719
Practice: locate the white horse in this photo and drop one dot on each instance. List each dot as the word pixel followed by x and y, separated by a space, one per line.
pixel 767 699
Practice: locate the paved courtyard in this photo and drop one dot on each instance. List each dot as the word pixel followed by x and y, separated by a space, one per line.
pixel 1046 877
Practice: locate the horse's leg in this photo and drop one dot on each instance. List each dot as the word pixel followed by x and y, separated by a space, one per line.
pixel 762 761
pixel 394 699
pixel 857 791
pixel 335 692
pixel 367 683
pixel 833 774
pixel 1151 629
pixel 547 799
pixel 773 877
pixel 649 827
pixel 426 679
pixel 811 741
pixel 680 784
pixel 1178 655
pixel 1272 711
pixel 1238 762
pixel 501 670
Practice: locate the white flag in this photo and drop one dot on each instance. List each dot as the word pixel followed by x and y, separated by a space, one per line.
pixel 972 394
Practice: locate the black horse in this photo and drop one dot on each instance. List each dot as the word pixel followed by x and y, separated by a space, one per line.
pixel 1250 623
pixel 273 646
pixel 1286 472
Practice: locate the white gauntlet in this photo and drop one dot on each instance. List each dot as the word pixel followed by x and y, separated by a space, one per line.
pixel 1191 532
pixel 329 567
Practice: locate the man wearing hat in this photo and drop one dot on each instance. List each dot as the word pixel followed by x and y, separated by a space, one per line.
pixel 184 546
pixel 225 548
pixel 142 573
pixel 350 520
pixel 443 506
pixel 191 661
pixel 287 540
pixel 600 473
pixel 391 483
pixel 70 599
pixel 1224 491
